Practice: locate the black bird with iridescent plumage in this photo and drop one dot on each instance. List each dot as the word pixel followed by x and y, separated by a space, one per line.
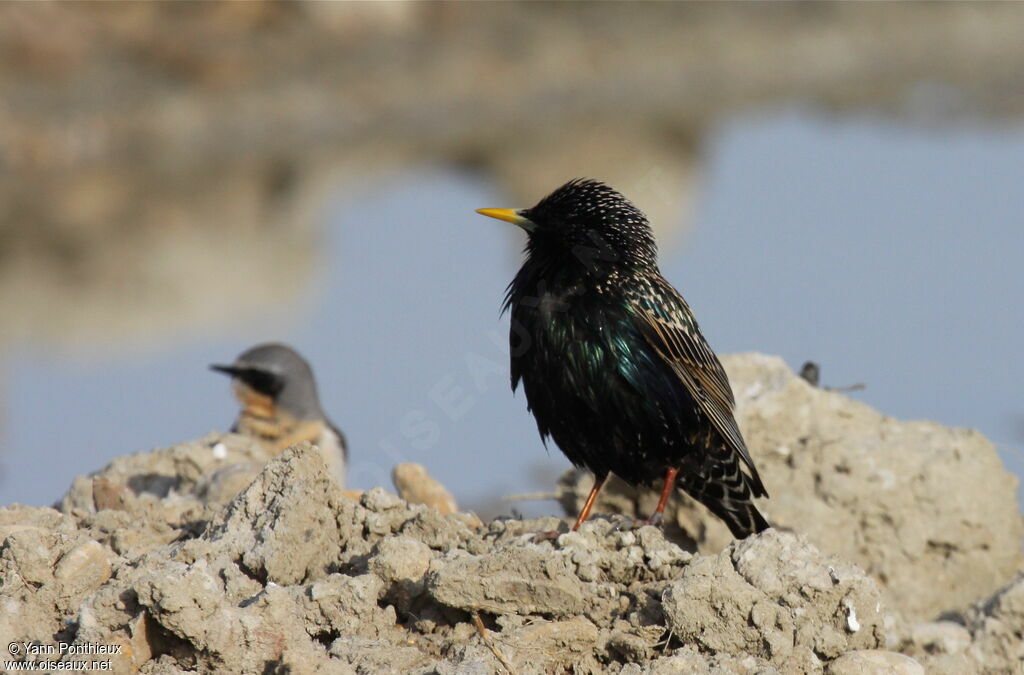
pixel 614 366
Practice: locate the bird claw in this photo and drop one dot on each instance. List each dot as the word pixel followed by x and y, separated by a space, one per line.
pixel 657 520
pixel 550 535
pixel 627 523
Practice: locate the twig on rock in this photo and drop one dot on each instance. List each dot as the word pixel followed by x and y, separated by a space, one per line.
pixel 530 497
pixel 486 637
pixel 850 387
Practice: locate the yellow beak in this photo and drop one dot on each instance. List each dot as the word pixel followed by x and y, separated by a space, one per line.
pixel 509 216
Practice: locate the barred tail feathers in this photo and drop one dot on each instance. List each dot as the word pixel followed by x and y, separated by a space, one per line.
pixel 725 490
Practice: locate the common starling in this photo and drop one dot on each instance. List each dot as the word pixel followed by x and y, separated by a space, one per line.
pixel 280 404
pixel 614 366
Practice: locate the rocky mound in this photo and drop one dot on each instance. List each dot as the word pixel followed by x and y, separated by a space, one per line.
pixel 294 574
pixel 928 511
pixel 154 558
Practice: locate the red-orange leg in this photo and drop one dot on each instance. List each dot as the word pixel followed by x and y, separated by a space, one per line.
pixel 591 498
pixel 666 492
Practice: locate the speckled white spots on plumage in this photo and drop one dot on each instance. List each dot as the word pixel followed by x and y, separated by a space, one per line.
pixel 587 213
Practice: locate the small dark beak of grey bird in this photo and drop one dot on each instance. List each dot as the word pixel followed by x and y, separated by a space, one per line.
pixel 227 370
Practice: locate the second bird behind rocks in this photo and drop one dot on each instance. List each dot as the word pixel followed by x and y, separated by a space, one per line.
pixel 614 366
pixel 280 404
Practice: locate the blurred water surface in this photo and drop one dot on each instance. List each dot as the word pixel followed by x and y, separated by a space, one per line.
pixel 889 254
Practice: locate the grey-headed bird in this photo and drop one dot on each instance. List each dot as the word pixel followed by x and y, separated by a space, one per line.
pixel 280 404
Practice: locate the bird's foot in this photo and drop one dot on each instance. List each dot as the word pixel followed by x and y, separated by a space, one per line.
pixel 627 523
pixel 550 535
pixel 657 520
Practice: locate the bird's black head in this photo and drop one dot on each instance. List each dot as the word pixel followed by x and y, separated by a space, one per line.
pixel 587 221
